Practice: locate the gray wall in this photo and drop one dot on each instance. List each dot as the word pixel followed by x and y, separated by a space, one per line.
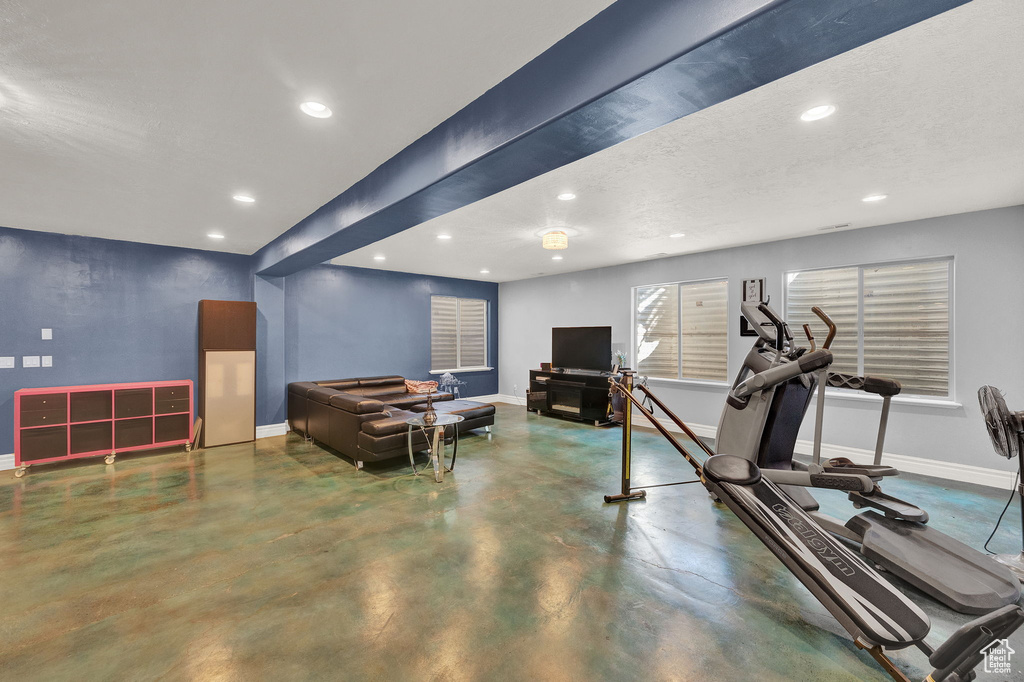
pixel 988 328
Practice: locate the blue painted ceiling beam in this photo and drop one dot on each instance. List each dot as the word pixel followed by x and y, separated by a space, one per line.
pixel 636 66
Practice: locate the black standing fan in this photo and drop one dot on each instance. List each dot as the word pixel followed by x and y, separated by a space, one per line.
pixel 1007 432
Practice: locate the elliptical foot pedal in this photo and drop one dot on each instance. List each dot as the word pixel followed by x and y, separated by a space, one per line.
pixel 892 507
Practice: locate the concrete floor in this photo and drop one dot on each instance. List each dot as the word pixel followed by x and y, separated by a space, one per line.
pixel 279 560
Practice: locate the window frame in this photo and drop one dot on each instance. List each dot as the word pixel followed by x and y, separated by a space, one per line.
pixel 950 399
pixel 679 352
pixel 458 335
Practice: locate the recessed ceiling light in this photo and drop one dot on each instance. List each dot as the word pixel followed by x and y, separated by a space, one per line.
pixel 556 258
pixel 818 113
pixel 316 109
pixel 244 198
pixel 677 235
pixel 874 197
pixel 566 196
pixel 378 258
pixel 485 271
pixel 444 236
pixel 214 235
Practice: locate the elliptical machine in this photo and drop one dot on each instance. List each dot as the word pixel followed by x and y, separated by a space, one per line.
pixel 878 617
pixel 760 422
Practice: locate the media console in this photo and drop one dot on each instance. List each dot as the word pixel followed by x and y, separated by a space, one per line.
pixel 574 394
pixel 57 424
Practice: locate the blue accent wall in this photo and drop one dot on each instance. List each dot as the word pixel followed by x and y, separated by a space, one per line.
pixel 120 311
pixel 123 311
pixel 343 322
pixel 271 388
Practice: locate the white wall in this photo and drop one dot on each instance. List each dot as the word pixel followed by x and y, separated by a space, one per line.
pixel 988 327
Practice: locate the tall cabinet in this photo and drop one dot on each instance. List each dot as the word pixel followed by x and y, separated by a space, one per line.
pixel 227 371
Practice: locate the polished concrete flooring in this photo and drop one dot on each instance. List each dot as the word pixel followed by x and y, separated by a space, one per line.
pixel 280 561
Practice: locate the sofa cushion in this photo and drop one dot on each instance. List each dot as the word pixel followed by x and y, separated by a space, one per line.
pixel 301 387
pixel 355 404
pixel 321 395
pixel 372 391
pixel 393 424
pixel 407 400
pixel 339 384
pixel 383 381
pixel 467 409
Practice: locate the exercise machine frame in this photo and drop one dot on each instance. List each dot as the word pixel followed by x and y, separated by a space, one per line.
pixel 875 614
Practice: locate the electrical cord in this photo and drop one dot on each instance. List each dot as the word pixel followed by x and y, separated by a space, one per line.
pixel 1016 479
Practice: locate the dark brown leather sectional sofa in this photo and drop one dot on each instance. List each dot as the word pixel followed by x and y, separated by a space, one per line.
pixel 364 418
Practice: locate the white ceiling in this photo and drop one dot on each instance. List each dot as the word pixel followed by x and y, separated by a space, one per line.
pixel 139 119
pixel 931 116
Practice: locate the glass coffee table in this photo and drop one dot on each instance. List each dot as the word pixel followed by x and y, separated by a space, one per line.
pixel 435 436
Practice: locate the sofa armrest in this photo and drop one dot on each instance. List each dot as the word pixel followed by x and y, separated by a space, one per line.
pixel 356 404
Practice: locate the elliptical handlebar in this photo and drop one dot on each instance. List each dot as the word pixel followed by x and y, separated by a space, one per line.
pixel 823 316
pixel 781 332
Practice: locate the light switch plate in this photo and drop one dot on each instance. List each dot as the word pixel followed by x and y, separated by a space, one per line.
pixel 7 362
pixel 47 361
pixel 47 334
pixel 30 361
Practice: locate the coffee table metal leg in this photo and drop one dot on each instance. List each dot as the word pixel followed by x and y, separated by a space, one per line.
pixel 437 454
pixel 412 462
pixel 455 447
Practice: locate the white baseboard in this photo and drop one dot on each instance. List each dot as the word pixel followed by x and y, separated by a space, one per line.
pixel 953 471
pixel 7 461
pixel 269 430
pixel 498 398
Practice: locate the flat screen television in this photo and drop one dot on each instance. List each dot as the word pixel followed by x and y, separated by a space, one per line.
pixel 581 348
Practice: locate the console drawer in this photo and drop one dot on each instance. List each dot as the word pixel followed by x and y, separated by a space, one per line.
pixel 171 393
pixel 44 401
pixel 57 415
pixel 172 406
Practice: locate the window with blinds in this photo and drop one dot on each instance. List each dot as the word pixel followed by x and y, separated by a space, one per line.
pixel 682 330
pixel 893 320
pixel 458 333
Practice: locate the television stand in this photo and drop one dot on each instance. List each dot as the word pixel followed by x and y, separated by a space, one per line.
pixel 577 394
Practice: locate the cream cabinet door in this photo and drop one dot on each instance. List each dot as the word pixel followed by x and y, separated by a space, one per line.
pixel 230 392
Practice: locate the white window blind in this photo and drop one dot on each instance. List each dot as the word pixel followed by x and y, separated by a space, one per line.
pixel 682 330
pixel 893 320
pixel 657 331
pixel 836 292
pixel 472 332
pixel 705 316
pixel 906 325
pixel 458 332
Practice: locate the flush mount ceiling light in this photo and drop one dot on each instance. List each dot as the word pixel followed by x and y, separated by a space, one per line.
pixel 677 235
pixel 378 258
pixel 485 271
pixel 566 196
pixel 316 109
pixel 818 113
pixel 874 197
pixel 214 235
pixel 555 240
pixel 444 236
pixel 244 198
pixel 556 258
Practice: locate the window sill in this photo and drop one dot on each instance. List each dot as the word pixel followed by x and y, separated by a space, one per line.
pixel 461 369
pixel 840 394
pixel 690 382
